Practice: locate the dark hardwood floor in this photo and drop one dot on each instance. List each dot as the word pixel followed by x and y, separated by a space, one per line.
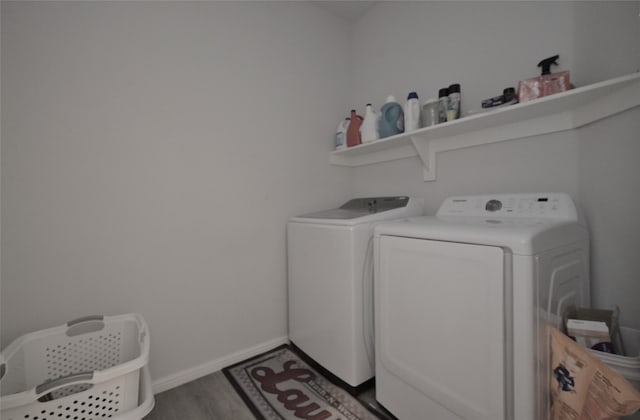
pixel 209 398
pixel 213 398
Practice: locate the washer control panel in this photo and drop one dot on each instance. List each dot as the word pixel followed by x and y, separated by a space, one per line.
pixel 544 206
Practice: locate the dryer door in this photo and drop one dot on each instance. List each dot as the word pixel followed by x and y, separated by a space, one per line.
pixel 439 329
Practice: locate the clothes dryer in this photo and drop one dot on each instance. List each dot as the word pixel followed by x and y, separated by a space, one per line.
pixel 462 300
pixel 329 304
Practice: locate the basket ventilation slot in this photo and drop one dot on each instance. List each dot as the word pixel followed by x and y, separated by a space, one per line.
pixel 92 407
pixel 84 355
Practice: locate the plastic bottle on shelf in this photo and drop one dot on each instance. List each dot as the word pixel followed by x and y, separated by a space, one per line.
pixel 391 118
pixel 430 112
pixel 453 112
pixel 341 134
pixel 353 132
pixel 369 127
pixel 443 98
pixel 412 112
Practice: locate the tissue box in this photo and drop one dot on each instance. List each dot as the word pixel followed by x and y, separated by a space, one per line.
pixel 540 86
pixel 590 334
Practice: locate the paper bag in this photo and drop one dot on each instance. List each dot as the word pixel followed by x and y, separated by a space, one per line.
pixel 583 387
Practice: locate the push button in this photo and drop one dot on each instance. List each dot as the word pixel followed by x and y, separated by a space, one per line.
pixel 493 205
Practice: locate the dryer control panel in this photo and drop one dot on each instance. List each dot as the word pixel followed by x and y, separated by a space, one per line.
pixel 558 206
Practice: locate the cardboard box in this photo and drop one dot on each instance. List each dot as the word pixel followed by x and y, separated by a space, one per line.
pixel 590 334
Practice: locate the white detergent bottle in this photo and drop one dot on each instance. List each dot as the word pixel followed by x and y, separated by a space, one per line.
pixel 412 113
pixel 341 134
pixel 369 127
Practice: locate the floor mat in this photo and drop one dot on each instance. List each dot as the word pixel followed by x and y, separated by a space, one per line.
pixel 280 385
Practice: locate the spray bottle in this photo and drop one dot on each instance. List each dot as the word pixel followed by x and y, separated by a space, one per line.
pixel 546 84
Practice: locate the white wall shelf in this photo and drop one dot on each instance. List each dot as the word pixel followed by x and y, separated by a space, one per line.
pixel 559 112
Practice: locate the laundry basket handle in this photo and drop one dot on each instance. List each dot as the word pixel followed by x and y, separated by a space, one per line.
pixel 65 380
pixel 85 324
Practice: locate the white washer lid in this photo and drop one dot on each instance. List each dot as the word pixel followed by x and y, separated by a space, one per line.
pixel 365 210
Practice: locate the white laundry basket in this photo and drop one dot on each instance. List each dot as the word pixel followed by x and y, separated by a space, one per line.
pixel 87 369
pixel 145 397
pixel 628 366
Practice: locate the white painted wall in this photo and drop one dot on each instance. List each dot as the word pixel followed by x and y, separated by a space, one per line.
pixel 486 46
pixel 607 44
pixel 151 155
pixel 606 39
pixel 609 185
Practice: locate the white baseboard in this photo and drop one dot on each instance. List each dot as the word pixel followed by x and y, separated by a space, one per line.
pixel 188 375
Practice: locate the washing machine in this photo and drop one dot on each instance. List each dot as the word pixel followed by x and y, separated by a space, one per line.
pixel 328 304
pixel 462 299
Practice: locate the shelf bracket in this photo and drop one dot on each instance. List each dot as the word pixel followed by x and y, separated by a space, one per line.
pixel 427 157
